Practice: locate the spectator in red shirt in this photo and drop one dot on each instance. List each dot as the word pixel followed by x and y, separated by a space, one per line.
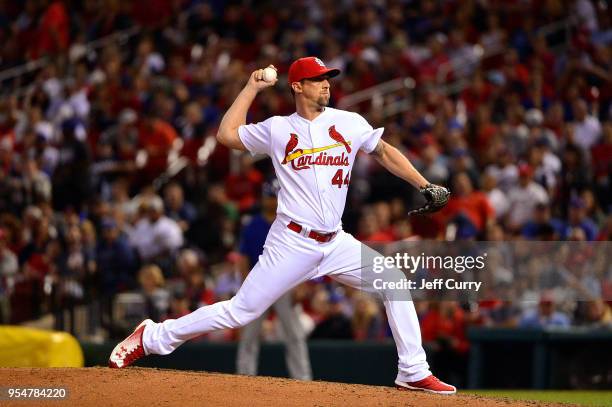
pixel 370 229
pixel 156 137
pixel 243 187
pixel 468 208
pixel 605 233
pixel 542 55
pixel 601 159
pixel 179 306
pixel 190 268
pixel 515 72
pixel 485 131
pixel 554 119
pixel 443 326
pixel 53 31
pixel 478 93
pixel 6 156
pixel 443 330
pixel 431 68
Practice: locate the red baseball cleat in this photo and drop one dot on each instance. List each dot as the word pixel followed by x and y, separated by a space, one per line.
pixel 429 384
pixel 130 349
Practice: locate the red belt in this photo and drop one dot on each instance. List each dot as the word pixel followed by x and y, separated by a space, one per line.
pixel 319 237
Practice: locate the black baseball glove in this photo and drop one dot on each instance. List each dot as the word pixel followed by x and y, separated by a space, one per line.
pixel 436 196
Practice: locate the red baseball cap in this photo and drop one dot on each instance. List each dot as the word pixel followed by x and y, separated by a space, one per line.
pixel 525 170
pixel 309 67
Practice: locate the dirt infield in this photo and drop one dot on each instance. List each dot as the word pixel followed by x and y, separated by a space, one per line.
pixel 101 387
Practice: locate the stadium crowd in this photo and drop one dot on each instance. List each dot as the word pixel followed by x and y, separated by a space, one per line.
pixel 88 209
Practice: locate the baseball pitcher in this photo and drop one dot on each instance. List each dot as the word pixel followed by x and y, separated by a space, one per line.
pixel 313 151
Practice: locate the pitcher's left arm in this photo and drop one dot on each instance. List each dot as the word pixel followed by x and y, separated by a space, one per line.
pixel 398 164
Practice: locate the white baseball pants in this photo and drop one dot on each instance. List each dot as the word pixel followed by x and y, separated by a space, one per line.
pixel 288 260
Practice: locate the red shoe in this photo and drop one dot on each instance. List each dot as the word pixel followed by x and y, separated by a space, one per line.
pixel 429 384
pixel 130 349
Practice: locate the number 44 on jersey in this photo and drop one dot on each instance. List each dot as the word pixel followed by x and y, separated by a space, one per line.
pixel 339 179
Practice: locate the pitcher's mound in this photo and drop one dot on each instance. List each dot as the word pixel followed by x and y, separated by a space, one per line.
pixel 101 387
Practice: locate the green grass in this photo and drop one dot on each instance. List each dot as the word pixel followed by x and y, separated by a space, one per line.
pixel 583 398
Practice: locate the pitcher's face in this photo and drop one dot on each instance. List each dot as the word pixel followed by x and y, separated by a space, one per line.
pixel 315 90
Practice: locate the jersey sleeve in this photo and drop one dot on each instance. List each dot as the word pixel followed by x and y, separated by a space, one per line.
pixel 256 136
pixel 369 135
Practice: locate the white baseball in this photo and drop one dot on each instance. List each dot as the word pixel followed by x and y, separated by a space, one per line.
pixel 269 74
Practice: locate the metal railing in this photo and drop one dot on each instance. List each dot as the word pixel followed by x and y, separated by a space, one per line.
pixel 30 66
pixel 480 54
pixel 375 93
pixel 119 37
pixel 565 25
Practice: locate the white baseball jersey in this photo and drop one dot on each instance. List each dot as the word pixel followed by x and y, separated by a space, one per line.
pixel 313 161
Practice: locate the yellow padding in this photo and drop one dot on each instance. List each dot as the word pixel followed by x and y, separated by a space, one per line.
pixel 27 347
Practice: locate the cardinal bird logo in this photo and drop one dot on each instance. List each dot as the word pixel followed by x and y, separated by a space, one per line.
pixel 336 136
pixel 291 145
